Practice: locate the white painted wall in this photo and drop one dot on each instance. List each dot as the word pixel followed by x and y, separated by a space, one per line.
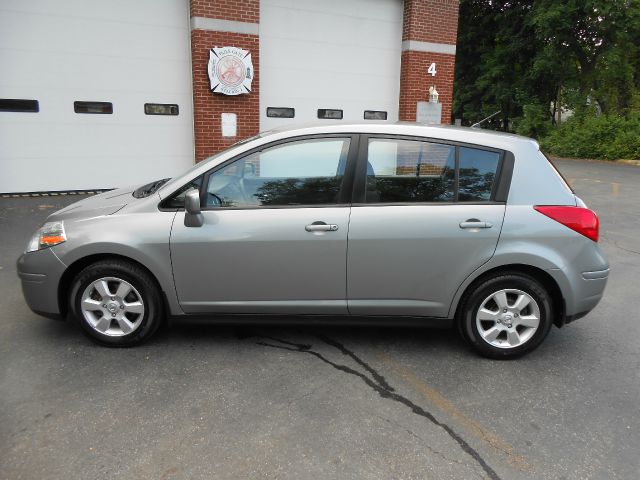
pixel 329 54
pixel 121 51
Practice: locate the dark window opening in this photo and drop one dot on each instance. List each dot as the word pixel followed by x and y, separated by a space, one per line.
pixel 161 109
pixel 306 172
pixel 477 174
pixel 375 115
pixel 331 114
pixel 177 199
pixel 17 105
pixel 281 112
pixel 92 107
pixel 401 171
pixel 408 171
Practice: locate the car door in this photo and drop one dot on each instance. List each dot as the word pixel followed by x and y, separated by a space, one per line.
pixel 274 237
pixel 424 217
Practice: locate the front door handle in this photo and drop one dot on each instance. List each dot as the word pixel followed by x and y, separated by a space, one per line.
pixel 321 227
pixel 475 223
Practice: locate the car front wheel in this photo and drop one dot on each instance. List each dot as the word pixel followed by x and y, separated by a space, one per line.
pixel 506 316
pixel 116 303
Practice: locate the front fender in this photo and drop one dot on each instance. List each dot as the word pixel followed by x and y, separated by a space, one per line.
pixel 142 237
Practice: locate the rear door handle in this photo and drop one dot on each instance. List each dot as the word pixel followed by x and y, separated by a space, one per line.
pixel 474 223
pixel 321 227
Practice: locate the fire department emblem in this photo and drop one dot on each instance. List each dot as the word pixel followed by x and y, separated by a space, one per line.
pixel 230 70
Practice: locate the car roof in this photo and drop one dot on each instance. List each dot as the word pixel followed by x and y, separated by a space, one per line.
pixel 444 132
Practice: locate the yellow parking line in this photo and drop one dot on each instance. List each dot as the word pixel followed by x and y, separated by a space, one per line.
pixel 473 427
pixel 615 189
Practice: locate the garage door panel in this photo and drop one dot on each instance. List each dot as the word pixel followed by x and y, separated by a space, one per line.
pixel 382 10
pixel 92 35
pixel 343 55
pixel 126 53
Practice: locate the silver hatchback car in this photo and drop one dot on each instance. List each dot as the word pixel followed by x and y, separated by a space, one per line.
pixel 390 223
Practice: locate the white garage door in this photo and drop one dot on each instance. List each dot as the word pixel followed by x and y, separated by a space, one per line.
pixel 329 55
pixel 124 52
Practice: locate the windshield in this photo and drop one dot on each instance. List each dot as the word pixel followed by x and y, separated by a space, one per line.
pixel 197 165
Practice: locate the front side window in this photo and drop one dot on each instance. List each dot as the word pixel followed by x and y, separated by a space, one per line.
pixel 177 199
pixel 306 172
pixel 401 171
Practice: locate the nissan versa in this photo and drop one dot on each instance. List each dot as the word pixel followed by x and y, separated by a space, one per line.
pixel 391 223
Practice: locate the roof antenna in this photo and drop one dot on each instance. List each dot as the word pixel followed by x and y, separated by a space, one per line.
pixel 477 124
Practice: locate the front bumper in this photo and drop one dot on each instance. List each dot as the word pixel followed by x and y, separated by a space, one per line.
pixel 40 274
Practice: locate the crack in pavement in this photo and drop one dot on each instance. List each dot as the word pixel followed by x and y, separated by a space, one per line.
pixel 379 384
pixel 431 449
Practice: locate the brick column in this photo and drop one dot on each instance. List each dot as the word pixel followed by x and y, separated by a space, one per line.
pixel 223 23
pixel 429 34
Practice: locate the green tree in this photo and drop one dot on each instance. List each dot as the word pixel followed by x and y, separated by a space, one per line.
pixel 545 54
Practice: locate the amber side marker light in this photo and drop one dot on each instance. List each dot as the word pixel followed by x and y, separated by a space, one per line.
pixel 578 219
pixel 50 234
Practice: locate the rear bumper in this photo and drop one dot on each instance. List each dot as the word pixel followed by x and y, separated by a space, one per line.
pixel 590 290
pixel 40 274
pixel 581 291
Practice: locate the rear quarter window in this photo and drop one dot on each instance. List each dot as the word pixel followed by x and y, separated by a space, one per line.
pixel 477 176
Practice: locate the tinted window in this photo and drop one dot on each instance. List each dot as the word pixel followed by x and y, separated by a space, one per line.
pixel 330 113
pixel 161 109
pixel 93 107
pixel 17 105
pixel 177 199
pixel 307 172
pixel 410 171
pixel 375 115
pixel 281 112
pixel 477 174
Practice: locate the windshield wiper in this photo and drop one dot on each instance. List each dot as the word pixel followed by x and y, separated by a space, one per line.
pixel 149 188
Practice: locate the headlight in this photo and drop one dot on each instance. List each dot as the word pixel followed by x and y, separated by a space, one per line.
pixel 50 234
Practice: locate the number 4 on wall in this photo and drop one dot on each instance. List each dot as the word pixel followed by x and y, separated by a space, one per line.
pixel 432 69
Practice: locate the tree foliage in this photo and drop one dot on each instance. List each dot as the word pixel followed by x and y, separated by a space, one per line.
pixel 530 58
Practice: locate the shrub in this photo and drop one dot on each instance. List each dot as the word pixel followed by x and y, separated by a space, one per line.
pixel 606 137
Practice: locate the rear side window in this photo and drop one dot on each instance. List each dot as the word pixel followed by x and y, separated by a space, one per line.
pixel 410 171
pixel 477 174
pixel 414 171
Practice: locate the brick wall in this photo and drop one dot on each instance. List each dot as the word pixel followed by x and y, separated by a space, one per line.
pixel 236 10
pixel 415 82
pixel 208 106
pixel 433 21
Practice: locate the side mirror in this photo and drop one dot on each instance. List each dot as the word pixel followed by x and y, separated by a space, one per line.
pixel 192 215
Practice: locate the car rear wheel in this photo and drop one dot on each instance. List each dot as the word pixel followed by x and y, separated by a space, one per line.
pixel 116 303
pixel 506 316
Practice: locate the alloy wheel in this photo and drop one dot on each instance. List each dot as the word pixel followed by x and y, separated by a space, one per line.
pixel 112 306
pixel 508 318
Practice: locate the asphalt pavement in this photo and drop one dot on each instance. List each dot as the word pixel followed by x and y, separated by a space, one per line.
pixel 258 402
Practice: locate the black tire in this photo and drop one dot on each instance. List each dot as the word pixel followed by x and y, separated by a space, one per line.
pixel 476 295
pixel 143 283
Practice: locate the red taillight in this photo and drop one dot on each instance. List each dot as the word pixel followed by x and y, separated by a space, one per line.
pixel 581 220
